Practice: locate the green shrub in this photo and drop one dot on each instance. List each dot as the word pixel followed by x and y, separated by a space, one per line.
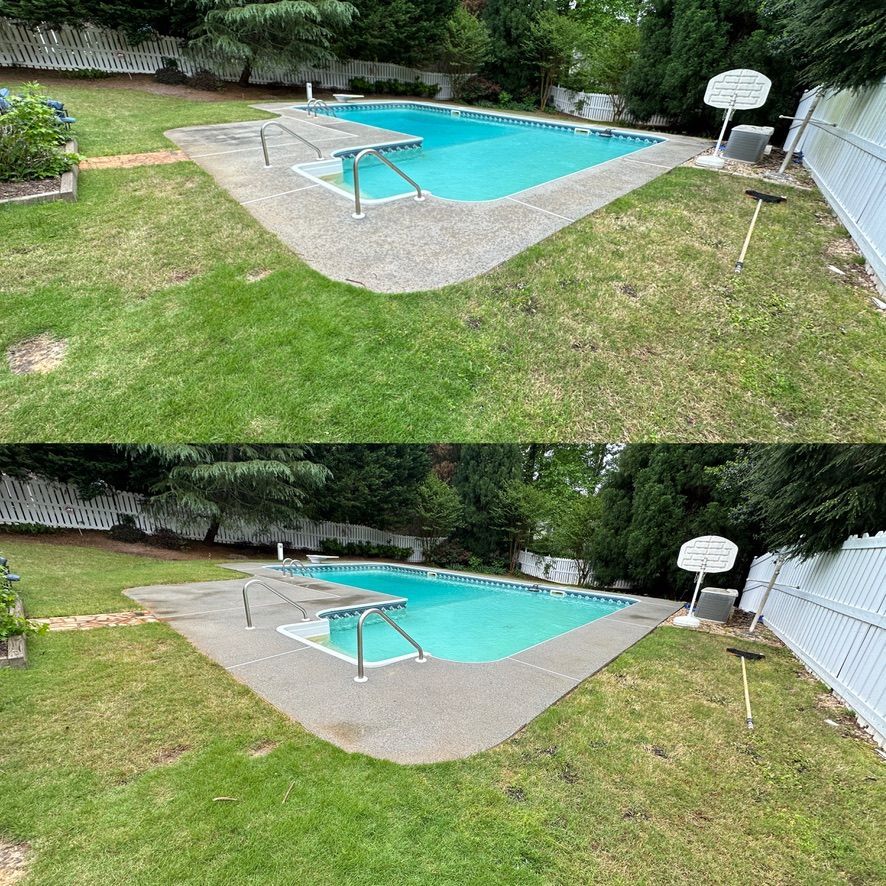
pixel 206 80
pixel 168 538
pixel 169 73
pixel 394 87
pixel 360 84
pixel 126 530
pixel 31 136
pixel 334 547
pixel 85 74
pixel 16 626
pixel 28 529
pixel 449 554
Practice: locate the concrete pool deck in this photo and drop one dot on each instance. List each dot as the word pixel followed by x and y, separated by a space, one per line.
pixel 404 245
pixel 408 712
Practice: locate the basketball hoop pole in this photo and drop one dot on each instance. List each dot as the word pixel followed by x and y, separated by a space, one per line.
pixel 726 118
pixel 698 582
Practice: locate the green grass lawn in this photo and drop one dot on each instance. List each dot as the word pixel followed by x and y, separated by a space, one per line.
pixel 70 580
pixel 629 324
pixel 116 741
pixel 118 120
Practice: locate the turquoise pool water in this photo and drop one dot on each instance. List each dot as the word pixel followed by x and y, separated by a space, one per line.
pixel 476 156
pixel 458 618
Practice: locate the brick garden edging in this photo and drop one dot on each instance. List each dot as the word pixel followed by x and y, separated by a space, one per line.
pixel 67 189
pixel 16 648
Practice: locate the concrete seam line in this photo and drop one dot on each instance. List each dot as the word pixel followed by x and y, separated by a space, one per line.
pixel 223 609
pixel 647 163
pixel 281 194
pixel 539 208
pixel 285 144
pixel 546 670
pixel 241 664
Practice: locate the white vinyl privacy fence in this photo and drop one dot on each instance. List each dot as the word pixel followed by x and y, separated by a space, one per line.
pixel 594 106
pixel 831 611
pixel 557 569
pixel 848 162
pixel 60 506
pixel 69 49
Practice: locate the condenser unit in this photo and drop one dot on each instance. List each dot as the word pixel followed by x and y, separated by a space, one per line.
pixel 746 143
pixel 716 604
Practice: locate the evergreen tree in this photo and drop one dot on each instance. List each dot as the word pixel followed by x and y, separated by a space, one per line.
pixel 810 498
pixel 518 511
pixel 233 486
pixel 289 33
pixel 465 47
pixel 371 484
pixel 683 43
pixel 483 471
pixel 841 45
pixel 656 498
pixel 438 511
pixel 510 25
pixel 405 32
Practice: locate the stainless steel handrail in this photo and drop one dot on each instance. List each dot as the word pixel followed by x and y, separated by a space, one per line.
pixel 253 581
pixel 264 140
pixel 361 672
pixel 315 103
pixel 358 208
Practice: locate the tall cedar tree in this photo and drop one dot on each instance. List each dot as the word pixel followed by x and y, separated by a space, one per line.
pixel 841 44
pixel 284 33
pixel 234 486
pixel 483 471
pixel 510 26
pixel 810 498
pixel 683 43
pixel 656 498
pixel 373 484
pixel 404 32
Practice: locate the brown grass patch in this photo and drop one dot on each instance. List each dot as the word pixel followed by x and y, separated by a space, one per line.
pixel 263 748
pixel 258 274
pixel 127 161
pixel 41 353
pixel 171 755
pixel 14 860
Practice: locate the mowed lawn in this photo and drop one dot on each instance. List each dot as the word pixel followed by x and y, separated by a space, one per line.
pixel 70 580
pixel 628 325
pixel 116 741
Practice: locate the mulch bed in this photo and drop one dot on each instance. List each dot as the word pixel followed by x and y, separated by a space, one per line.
pixel 30 188
pixel 4 648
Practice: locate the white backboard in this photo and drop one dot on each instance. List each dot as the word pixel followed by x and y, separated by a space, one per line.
pixel 708 553
pixel 740 89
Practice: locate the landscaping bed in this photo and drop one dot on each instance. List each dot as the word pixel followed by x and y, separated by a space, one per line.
pixel 13 650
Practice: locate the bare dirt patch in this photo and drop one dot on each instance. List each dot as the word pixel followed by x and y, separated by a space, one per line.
pixel 42 353
pixel 263 748
pixel 14 860
pixel 737 627
pixel 257 274
pixel 10 190
pixel 182 276
pixel 170 755
pixel 127 161
pixel 794 176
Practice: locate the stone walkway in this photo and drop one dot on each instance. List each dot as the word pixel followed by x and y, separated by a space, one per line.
pixel 104 620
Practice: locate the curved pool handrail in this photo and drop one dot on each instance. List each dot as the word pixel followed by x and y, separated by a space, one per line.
pixel 264 140
pixel 316 103
pixel 358 208
pixel 361 672
pixel 253 581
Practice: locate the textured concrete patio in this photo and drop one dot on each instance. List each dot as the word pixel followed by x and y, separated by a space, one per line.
pixel 403 245
pixel 408 712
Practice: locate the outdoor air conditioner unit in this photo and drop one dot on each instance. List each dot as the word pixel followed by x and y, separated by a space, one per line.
pixel 716 604
pixel 746 143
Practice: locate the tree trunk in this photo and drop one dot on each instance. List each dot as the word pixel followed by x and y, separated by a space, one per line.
pixel 212 532
pixel 245 74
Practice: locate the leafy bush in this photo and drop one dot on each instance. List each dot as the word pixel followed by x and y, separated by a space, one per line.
pixel 170 73
pixel 27 528
pixel 30 139
pixel 337 548
pixel 167 538
pixel 18 626
pixel 206 80
pixel 478 89
pixel 448 554
pixel 394 87
pixel 126 530
pixel 85 74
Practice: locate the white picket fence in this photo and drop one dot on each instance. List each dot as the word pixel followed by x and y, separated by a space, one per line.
pixel 848 163
pixel 557 569
pixel 831 611
pixel 60 506
pixel 69 49
pixel 594 106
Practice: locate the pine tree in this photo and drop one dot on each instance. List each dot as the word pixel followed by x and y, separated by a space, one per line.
pixel 233 486
pixel 287 33
pixel 510 25
pixel 656 498
pixel 483 471
pixel 439 510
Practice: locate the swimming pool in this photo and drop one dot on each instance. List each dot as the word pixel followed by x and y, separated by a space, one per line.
pixel 466 155
pixel 452 616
